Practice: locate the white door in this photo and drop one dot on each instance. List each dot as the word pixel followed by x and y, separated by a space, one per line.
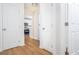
pixel 13 25
pixel 74 28
pixel 45 26
pixel 0 27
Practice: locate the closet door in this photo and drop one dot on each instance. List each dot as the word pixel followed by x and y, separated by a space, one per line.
pixel 13 25
pixel 0 27
pixel 74 28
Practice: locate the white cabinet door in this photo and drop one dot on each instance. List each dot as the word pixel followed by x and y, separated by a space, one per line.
pixel 74 28
pixel 13 25
pixel 0 27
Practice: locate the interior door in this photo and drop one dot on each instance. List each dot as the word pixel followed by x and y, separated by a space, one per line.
pixel 74 28
pixel 13 25
pixel 45 26
pixel 0 26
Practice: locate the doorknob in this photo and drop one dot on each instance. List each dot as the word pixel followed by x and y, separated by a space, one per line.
pixel 43 28
pixel 4 29
pixel 66 24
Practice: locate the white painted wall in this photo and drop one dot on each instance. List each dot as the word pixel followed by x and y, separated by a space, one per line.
pixel 60 28
pixel 53 28
pixel 36 22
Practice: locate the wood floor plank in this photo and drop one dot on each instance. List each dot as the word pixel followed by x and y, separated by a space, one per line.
pixel 27 51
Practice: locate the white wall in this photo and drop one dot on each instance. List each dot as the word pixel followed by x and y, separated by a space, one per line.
pixel 36 26
pixel 53 28
pixel 60 29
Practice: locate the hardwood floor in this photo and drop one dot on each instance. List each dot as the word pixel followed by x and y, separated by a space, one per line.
pixel 31 48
